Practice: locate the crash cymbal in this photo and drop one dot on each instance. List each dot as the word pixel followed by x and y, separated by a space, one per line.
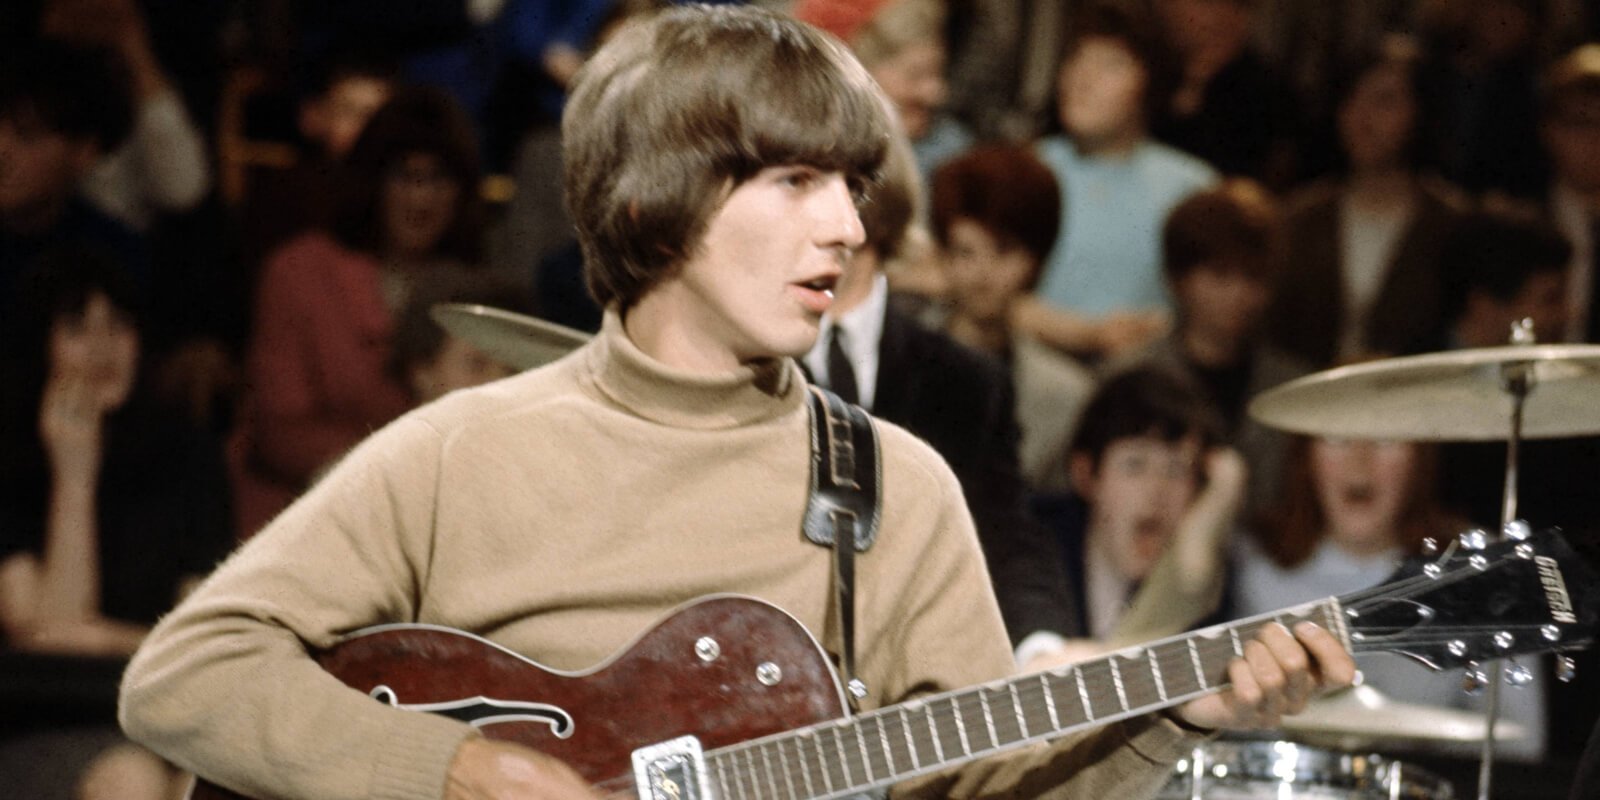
pixel 1451 396
pixel 1363 717
pixel 516 340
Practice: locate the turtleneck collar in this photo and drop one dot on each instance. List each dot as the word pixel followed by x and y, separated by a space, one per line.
pixel 632 379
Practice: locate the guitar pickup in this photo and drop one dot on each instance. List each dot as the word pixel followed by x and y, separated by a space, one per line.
pixel 672 770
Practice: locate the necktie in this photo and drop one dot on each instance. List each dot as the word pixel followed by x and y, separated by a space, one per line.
pixel 841 375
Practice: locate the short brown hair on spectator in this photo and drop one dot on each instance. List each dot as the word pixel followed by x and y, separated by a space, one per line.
pixel 1235 222
pixel 678 107
pixel 1007 190
pixel 1141 37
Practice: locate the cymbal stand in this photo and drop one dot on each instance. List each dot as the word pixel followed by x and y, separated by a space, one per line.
pixel 1517 379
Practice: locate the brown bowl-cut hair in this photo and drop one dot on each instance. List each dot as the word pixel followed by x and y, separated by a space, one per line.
pixel 1005 189
pixel 681 106
pixel 1236 222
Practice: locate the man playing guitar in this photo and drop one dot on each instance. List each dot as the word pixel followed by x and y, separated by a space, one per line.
pixel 715 158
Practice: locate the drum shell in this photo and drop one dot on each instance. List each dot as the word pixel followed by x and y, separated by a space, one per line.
pixel 1232 770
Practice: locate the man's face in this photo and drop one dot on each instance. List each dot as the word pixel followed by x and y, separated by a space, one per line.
pixel 1543 299
pixel 984 277
pixel 757 283
pixel 1137 495
pixel 39 167
pixel 1101 90
pixel 1220 302
pixel 1377 119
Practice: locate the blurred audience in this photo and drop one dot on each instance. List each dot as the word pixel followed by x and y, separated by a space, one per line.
pixel 995 215
pixel 1101 291
pixel 110 508
pixel 1222 254
pixel 1571 126
pixel 327 302
pixel 430 361
pixel 1366 245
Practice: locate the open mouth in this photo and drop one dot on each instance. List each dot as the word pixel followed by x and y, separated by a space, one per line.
pixel 824 284
pixel 1359 494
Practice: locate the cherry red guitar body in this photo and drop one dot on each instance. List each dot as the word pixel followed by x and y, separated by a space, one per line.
pixel 700 671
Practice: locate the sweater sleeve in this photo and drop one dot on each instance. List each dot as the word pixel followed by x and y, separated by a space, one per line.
pixel 224 685
pixel 951 637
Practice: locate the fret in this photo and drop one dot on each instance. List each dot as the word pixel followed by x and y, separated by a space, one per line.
pixel 753 772
pixel 772 778
pixel 1033 719
pixel 1050 702
pixel 1199 671
pixel 722 778
pixel 1233 634
pixel 1016 706
pixel 911 742
pixel 1155 673
pixel 888 752
pixel 822 760
pixel 961 725
pixel 844 760
pixel 805 767
pixel 933 731
pixel 861 744
pixel 1116 680
pixel 1083 693
pixel 788 770
pixel 740 775
pixel 988 718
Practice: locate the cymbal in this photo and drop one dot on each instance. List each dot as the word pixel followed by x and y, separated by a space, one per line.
pixel 1450 396
pixel 1362 716
pixel 516 340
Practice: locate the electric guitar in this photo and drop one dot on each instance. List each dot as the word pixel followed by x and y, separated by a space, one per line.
pixel 731 698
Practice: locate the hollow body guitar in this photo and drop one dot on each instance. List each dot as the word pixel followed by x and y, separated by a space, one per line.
pixel 731 698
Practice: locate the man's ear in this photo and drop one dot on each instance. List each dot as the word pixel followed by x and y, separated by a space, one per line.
pixel 1080 470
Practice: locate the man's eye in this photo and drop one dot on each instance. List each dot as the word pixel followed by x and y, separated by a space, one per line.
pixel 799 178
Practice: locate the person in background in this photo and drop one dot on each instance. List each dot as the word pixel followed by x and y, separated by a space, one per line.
pixel 1144 532
pixel 62 108
pixel 327 302
pixel 111 508
pixel 1364 248
pixel 1570 126
pixel 1222 255
pixel 1101 292
pixel 1351 510
pixel 432 362
pixel 163 166
pixel 902 44
pixel 996 210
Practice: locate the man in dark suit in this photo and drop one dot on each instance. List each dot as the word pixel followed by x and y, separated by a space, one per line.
pixel 958 400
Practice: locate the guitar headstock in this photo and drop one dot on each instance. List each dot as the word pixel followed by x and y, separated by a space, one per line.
pixel 1481 600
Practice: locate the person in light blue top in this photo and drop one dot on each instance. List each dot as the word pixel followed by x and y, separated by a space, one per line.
pixel 1102 290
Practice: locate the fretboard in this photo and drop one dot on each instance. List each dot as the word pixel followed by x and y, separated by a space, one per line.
pixel 854 754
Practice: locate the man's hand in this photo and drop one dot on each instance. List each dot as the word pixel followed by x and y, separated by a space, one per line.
pixel 490 770
pixel 1279 672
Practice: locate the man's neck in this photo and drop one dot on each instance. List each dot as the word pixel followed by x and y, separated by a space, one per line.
pixel 1119 145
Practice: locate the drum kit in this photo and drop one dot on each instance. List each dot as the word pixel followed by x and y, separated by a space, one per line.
pixel 1512 393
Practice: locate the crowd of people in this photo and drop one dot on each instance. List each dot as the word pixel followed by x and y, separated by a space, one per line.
pixel 1101 228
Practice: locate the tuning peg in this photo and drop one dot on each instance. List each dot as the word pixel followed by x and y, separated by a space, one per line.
pixel 1566 669
pixel 1474 679
pixel 1475 539
pixel 1518 530
pixel 1430 546
pixel 1518 675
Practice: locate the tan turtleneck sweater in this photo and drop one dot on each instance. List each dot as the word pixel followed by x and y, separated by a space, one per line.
pixel 560 513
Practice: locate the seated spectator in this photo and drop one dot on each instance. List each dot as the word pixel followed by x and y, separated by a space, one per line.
pixel 163 166
pixel 430 361
pixel 62 108
pixel 1570 123
pixel 996 210
pixel 902 44
pixel 1364 248
pixel 1101 292
pixel 327 302
pixel 1143 533
pixel 1351 511
pixel 1222 254
pixel 339 99
pixel 1504 268
pixel 1231 106
pixel 110 509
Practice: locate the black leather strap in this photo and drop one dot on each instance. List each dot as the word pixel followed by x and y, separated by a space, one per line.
pixel 844 505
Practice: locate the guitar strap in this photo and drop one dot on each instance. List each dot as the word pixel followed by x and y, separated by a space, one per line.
pixel 843 509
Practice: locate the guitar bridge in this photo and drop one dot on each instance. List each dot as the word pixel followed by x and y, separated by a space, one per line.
pixel 672 770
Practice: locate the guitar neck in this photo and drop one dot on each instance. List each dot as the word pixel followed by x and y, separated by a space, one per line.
pixel 851 755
